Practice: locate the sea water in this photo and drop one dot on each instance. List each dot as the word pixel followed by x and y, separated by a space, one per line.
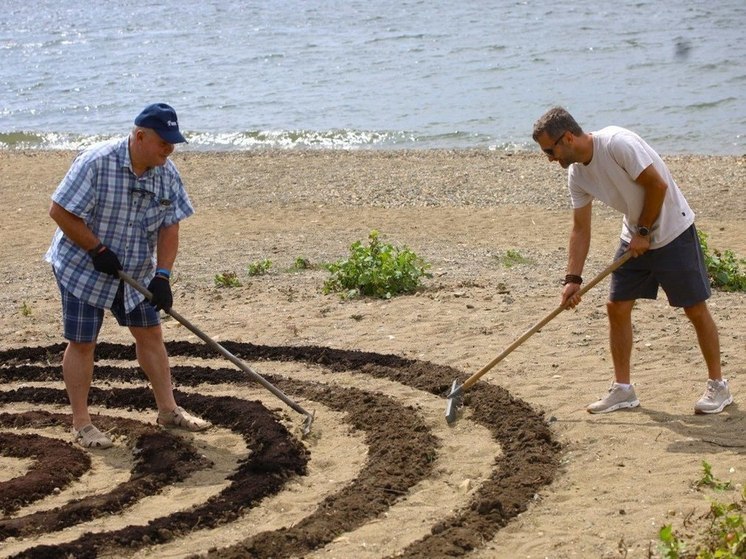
pixel 373 73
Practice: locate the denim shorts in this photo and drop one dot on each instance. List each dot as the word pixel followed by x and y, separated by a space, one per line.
pixel 82 322
pixel 678 268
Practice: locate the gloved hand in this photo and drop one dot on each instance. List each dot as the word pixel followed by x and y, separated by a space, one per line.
pixel 160 287
pixel 105 261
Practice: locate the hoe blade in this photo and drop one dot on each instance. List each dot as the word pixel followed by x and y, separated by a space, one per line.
pixel 306 428
pixel 454 401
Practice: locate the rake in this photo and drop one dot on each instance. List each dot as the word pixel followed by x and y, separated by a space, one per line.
pixel 455 397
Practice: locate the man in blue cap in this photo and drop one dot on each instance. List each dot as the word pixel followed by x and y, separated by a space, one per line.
pixel 119 208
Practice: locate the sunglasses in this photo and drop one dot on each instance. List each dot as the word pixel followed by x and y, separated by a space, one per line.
pixel 550 151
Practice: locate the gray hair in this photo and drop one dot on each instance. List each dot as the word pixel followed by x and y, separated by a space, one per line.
pixel 555 122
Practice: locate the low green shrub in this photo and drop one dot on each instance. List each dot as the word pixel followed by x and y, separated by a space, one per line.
pixel 512 257
pixel 302 263
pixel 227 279
pixel 723 268
pixel 723 538
pixel 378 270
pixel 260 267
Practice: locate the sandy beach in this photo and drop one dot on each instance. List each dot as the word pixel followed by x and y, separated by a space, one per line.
pixel 620 476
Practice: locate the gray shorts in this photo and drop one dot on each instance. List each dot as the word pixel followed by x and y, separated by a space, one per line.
pixel 678 268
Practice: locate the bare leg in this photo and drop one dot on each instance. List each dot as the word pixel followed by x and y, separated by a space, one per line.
pixel 620 337
pixel 153 358
pixel 707 336
pixel 77 372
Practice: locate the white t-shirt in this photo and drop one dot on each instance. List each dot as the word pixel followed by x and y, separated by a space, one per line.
pixel 619 156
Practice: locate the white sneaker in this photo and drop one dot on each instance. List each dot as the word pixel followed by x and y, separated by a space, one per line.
pixel 717 395
pixel 617 398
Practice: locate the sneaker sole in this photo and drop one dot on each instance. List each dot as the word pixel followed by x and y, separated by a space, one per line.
pixel 619 406
pixel 727 402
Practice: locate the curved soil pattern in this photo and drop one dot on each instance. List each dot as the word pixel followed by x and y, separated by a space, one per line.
pixel 401 451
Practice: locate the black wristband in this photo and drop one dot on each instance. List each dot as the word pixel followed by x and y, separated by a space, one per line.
pixel 95 250
pixel 572 278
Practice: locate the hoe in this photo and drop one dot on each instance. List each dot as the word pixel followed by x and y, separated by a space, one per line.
pixel 456 395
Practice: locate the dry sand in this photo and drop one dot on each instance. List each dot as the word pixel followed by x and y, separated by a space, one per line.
pixel 623 475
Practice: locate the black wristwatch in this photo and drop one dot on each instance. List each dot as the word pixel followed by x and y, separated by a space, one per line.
pixel 643 231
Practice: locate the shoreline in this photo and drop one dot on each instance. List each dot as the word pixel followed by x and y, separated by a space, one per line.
pixel 274 150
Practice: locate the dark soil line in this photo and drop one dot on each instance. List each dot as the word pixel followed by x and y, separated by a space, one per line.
pixel 393 467
pixel 276 457
pixel 163 459
pixel 401 452
pixel 56 465
pixel 529 459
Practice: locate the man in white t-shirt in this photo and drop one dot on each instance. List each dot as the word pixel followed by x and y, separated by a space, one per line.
pixel 619 168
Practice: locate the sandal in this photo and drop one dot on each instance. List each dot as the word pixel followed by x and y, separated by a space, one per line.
pixel 182 419
pixel 90 437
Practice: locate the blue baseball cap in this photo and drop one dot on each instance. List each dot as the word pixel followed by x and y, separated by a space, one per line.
pixel 161 118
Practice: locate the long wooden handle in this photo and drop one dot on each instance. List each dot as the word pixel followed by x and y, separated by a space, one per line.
pixel 544 321
pixel 219 348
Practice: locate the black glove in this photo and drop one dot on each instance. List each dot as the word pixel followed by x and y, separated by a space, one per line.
pixel 105 261
pixel 162 297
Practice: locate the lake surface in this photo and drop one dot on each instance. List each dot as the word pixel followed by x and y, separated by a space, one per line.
pixel 384 74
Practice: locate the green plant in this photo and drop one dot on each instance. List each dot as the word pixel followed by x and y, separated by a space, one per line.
pixel 227 279
pixel 377 270
pixel 670 546
pixel 512 258
pixel 723 268
pixel 708 479
pixel 25 309
pixel 726 536
pixel 302 263
pixel 723 538
pixel 260 267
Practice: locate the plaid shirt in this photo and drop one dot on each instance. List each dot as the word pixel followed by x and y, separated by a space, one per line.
pixel 125 212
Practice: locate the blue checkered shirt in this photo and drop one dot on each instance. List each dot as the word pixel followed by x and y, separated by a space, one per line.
pixel 125 212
